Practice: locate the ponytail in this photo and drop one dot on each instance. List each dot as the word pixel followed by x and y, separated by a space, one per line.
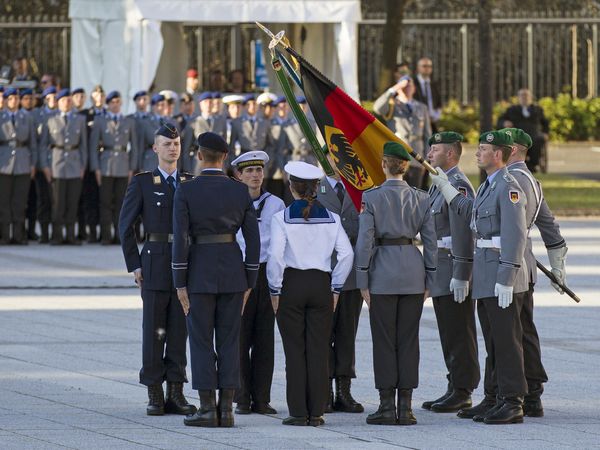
pixel 307 190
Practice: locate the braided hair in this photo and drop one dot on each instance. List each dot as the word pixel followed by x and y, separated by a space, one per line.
pixel 307 190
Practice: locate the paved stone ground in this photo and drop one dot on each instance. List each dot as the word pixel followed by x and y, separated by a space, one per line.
pixel 69 360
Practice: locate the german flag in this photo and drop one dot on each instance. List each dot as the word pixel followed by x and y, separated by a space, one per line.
pixel 354 137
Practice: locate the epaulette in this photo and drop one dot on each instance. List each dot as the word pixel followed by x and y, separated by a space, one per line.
pixel 457 177
pixel 509 178
pixel 184 176
pixel 372 189
pixel 419 190
pixel 142 173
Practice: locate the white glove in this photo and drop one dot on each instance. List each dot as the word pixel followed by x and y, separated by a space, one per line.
pixel 460 289
pixel 504 294
pixel 558 257
pixel 441 182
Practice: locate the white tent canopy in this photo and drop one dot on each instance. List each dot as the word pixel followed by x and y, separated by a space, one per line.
pixel 119 44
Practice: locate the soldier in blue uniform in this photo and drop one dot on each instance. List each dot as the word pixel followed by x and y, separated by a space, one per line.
pixel 150 197
pixel 212 279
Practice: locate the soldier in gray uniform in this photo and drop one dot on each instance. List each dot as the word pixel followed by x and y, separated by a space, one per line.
pixel 393 275
pixel 409 120
pixel 147 127
pixel 454 308
pixel 114 158
pixel 537 213
pixel 250 131
pixel 500 277
pixel 63 149
pixel 18 156
pixel 332 195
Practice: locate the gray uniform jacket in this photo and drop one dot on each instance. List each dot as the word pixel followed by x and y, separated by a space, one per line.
pixel 498 213
pixel 409 123
pixel 537 212
pixel 216 124
pixel 455 239
pixel 250 136
pixel 147 158
pixel 64 146
pixel 18 143
pixel 390 211
pixel 327 196
pixel 299 145
pixel 113 147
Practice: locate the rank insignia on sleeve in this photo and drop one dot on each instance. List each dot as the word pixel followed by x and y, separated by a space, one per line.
pixel 513 196
pixel 462 190
pixel 156 179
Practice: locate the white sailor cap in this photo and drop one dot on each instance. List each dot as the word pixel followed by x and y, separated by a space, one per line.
pixel 249 159
pixel 266 98
pixel 233 98
pixel 301 171
pixel 169 95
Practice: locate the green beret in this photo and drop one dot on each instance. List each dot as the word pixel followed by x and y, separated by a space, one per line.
pixel 446 137
pixel 396 150
pixel 520 137
pixel 500 137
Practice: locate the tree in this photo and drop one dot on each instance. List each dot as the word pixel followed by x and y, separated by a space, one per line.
pixel 392 38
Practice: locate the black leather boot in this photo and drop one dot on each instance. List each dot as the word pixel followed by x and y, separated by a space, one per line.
pixel 386 413
pixel 92 237
pixel 19 236
pixel 496 407
pixel 225 407
pixel 262 408
pixel 488 402
pixel 175 402
pixel 156 400
pixel 460 399
pixel 57 235
pixel 45 235
pixel 330 400
pixel 295 421
pixel 71 239
pixel 510 412
pixel 206 416
pixel 428 404
pixel 532 407
pixel 316 421
pixel 343 398
pixel 5 237
pixel 405 414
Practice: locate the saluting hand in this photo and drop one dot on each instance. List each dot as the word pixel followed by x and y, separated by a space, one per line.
pixel 182 295
pixel 336 297
pixel 366 296
pixel 246 297
pixel 275 303
pixel 137 274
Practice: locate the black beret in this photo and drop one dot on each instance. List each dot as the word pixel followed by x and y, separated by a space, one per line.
pixel 167 130
pixel 212 141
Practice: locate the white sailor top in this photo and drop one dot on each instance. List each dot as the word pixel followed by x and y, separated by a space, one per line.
pixel 308 244
pixel 265 205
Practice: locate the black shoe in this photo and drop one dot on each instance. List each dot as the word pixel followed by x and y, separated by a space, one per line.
pixel 45 235
pixel 481 417
pixel 92 237
pixel 488 402
pixel 225 408
pixel 343 398
pixel 316 421
pixel 242 408
pixel 405 414
pixel 156 400
pixel 533 408
pixel 460 399
pixel 105 242
pixel 386 413
pixel 428 404
pixel 295 421
pixel 329 404
pixel 175 402
pixel 510 412
pixel 71 239
pixel 206 416
pixel 263 408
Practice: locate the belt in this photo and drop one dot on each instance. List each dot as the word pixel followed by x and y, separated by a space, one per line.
pixel 66 147
pixel 381 242
pixel 116 148
pixel 14 143
pixel 159 237
pixel 213 238
pixel 445 243
pixel 489 243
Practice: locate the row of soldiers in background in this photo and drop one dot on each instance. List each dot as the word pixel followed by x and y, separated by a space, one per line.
pixel 97 150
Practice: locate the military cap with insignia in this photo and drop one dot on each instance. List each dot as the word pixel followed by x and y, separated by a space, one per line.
pixel 266 98
pixel 139 94
pixel 520 137
pixel 63 93
pixel 167 130
pixel 446 137
pixel 301 99
pixel 500 137
pixel 212 141
pixel 250 159
pixel 206 95
pixel 112 95
pixel 395 150
pixel 281 99
pixel 302 171
pixel 249 98
pixel 156 98
pixel 233 99
pixel 215 95
pixel 25 92
pixel 48 91
pixel 78 90
pixel 10 91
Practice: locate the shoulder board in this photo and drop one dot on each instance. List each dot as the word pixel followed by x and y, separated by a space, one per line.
pixel 142 173
pixel 372 189
pixel 419 190
pixel 184 178
pixel 509 178
pixel 457 176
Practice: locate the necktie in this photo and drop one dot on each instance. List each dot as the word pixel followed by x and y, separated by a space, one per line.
pixel 339 190
pixel 171 183
pixel 66 118
pixel 12 118
pixel 485 186
pixel 409 107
